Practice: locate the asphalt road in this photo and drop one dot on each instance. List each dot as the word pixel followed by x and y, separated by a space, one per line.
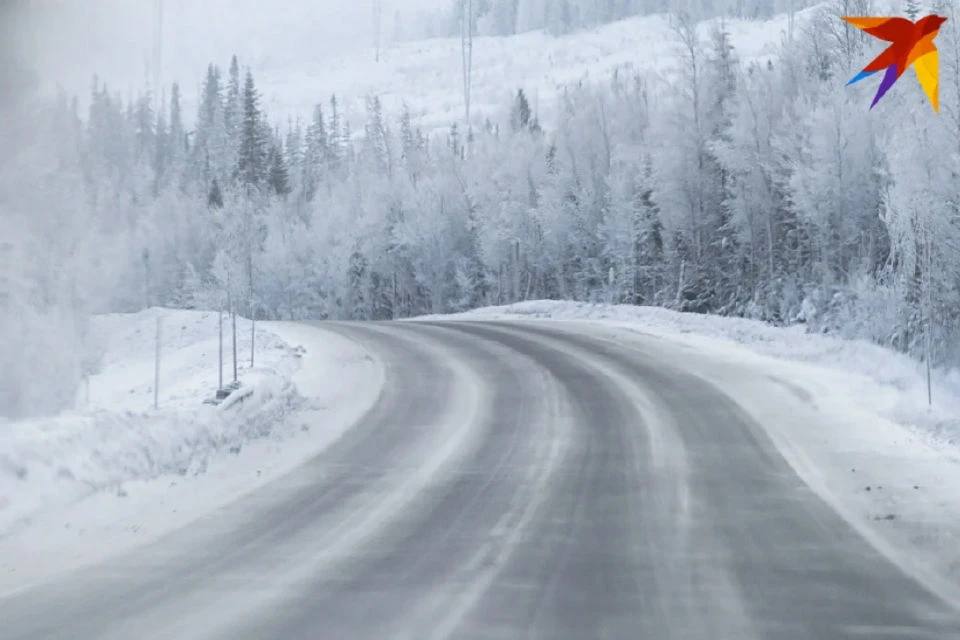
pixel 513 481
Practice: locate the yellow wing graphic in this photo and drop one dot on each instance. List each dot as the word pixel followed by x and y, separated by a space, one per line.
pixel 927 67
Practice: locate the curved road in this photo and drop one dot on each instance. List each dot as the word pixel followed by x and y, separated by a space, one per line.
pixel 514 480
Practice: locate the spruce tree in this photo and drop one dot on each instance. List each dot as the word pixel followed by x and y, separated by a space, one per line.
pixel 233 113
pixel 177 134
pixel 334 134
pixel 251 166
pixel 215 195
pixel 293 147
pixel 912 9
pixel 279 178
pixel 161 148
pixel 209 134
pixel 144 126
pixel 315 153
pixel 233 107
pixel 520 117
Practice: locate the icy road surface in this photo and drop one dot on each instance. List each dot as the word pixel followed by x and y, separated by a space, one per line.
pixel 514 480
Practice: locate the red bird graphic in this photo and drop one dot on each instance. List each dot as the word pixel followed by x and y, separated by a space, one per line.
pixel 912 42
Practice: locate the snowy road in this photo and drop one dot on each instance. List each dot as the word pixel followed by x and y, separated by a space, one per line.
pixel 514 480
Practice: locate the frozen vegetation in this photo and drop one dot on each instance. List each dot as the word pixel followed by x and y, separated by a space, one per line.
pixel 652 163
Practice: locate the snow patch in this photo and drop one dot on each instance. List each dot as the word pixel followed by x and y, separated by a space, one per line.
pixel 89 483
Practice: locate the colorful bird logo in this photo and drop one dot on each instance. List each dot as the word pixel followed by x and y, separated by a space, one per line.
pixel 912 44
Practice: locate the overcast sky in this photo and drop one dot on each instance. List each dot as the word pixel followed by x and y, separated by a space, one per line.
pixel 66 41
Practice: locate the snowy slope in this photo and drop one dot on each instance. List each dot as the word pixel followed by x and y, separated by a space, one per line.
pixel 851 417
pixel 427 75
pixel 117 473
pixel 119 437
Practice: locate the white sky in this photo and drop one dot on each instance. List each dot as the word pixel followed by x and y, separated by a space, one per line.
pixel 66 41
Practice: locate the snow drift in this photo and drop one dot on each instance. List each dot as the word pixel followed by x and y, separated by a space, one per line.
pixel 117 436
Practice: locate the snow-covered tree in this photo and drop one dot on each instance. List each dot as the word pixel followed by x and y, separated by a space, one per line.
pixel 251 169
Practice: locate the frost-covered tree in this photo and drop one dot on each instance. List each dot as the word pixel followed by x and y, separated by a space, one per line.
pixel 251 168
pixel 740 187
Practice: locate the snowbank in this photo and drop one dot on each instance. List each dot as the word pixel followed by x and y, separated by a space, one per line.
pixel 850 417
pixel 117 436
pixel 118 473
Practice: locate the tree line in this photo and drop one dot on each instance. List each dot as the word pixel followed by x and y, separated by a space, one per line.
pixel 764 190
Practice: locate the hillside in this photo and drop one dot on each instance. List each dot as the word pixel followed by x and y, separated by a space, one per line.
pixel 294 73
pixel 427 75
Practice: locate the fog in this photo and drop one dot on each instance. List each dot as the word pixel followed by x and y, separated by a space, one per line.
pixel 69 40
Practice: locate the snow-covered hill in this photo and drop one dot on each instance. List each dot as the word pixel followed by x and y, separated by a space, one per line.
pixel 428 77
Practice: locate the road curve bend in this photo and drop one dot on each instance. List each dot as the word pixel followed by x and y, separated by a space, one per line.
pixel 514 480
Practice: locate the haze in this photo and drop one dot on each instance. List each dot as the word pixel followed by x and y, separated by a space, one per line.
pixel 67 41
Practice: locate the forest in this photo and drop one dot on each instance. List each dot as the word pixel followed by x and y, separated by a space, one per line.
pixel 766 190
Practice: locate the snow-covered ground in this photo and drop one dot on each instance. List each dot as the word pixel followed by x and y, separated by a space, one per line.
pixel 117 472
pixel 851 417
pixel 427 75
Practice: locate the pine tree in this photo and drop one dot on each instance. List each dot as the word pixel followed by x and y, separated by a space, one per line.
pixel 357 276
pixel 316 152
pixel 161 149
pixel 347 148
pixel 454 140
pixel 210 135
pixel 412 147
pixel 178 139
pixel 233 114
pixel 233 108
pixel 334 136
pixel 520 116
pixel 293 153
pixel 912 9
pixel 293 147
pixel 377 137
pixel 215 195
pixel 279 178
pixel 251 169
pixel 145 121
